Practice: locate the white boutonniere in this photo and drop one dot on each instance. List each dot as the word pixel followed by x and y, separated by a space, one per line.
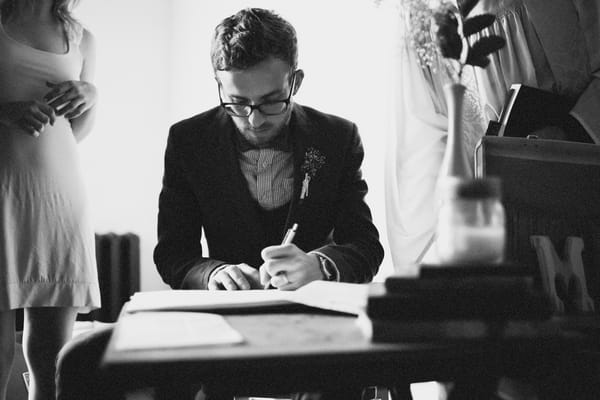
pixel 313 161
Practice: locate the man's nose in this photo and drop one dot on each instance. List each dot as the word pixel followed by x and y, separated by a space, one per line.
pixel 256 119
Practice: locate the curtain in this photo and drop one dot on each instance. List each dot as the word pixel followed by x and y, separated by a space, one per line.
pixel 415 147
pixel 550 44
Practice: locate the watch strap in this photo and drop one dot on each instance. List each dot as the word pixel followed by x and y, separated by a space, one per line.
pixel 329 272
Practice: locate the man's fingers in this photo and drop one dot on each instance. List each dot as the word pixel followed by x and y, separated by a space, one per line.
pixel 274 267
pixel 225 280
pixel 240 280
pixel 252 275
pixel 289 286
pixel 278 251
pixel 264 275
pixel 279 280
pixel 213 285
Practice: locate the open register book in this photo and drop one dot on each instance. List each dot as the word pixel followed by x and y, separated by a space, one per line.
pixel 160 320
pixel 350 298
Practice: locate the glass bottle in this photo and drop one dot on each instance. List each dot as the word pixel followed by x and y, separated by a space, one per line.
pixel 471 223
pixel 455 162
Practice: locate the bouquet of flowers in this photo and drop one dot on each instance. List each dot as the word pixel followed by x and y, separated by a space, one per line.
pixel 442 28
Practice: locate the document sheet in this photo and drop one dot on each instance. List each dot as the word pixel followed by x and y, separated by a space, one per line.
pixel 173 329
pixel 335 296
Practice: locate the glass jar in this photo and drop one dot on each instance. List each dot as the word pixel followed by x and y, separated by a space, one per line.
pixel 471 222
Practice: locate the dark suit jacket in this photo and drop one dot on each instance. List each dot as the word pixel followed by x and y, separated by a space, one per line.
pixel 203 188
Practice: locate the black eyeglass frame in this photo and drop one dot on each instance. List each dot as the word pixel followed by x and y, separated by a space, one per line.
pixel 253 107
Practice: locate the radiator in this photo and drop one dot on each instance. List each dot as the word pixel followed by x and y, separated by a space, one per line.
pixel 118 259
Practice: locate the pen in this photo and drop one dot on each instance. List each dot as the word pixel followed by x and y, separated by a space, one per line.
pixel 289 235
pixel 287 239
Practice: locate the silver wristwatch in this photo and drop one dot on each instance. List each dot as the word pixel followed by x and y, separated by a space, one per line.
pixel 329 273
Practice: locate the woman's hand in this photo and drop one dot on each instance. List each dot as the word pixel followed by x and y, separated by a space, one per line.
pixel 31 116
pixel 71 98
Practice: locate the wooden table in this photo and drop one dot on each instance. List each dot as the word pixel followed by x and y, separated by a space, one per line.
pixel 285 353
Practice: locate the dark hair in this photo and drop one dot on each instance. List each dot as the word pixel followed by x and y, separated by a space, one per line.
pixel 251 36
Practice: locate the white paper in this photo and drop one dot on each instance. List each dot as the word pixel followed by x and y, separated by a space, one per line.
pixel 336 296
pixel 204 299
pixel 345 297
pixel 161 330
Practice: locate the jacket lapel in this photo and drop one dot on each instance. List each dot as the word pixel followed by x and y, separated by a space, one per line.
pixel 302 135
pixel 231 189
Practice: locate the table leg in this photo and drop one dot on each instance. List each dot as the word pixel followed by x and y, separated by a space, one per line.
pixel 401 392
pixel 476 388
pixel 176 392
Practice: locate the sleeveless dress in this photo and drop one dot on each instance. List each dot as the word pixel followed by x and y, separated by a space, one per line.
pixel 47 247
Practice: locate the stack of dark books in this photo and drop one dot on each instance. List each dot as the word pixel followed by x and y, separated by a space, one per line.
pixel 449 303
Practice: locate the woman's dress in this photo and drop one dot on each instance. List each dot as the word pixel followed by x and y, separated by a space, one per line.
pixel 47 250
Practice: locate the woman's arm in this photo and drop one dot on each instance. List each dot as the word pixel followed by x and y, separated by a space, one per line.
pixel 76 100
pixel 82 125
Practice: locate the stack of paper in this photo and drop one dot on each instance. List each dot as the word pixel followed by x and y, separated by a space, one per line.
pixel 348 298
pixel 162 330
pixel 178 318
pixel 205 300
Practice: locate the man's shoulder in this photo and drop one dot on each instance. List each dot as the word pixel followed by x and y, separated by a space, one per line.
pixel 197 123
pixel 319 118
pixel 324 129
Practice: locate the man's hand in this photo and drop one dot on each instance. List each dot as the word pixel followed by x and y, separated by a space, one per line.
pixel 235 277
pixel 31 116
pixel 71 98
pixel 286 267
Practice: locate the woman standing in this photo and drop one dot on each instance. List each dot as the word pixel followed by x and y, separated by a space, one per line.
pixel 47 260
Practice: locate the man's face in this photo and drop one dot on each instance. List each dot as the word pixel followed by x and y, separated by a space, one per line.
pixel 267 81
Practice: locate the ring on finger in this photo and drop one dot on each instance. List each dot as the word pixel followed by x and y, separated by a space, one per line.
pixel 281 279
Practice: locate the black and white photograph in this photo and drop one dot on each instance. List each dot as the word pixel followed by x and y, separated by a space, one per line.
pixel 299 200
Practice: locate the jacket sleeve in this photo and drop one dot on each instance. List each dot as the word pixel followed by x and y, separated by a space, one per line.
pixel 355 250
pixel 178 253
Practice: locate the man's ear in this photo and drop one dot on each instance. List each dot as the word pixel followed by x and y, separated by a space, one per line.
pixel 299 78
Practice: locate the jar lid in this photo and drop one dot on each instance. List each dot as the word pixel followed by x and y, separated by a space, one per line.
pixel 478 188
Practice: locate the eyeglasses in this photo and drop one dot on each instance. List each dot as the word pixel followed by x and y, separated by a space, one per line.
pixel 266 108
